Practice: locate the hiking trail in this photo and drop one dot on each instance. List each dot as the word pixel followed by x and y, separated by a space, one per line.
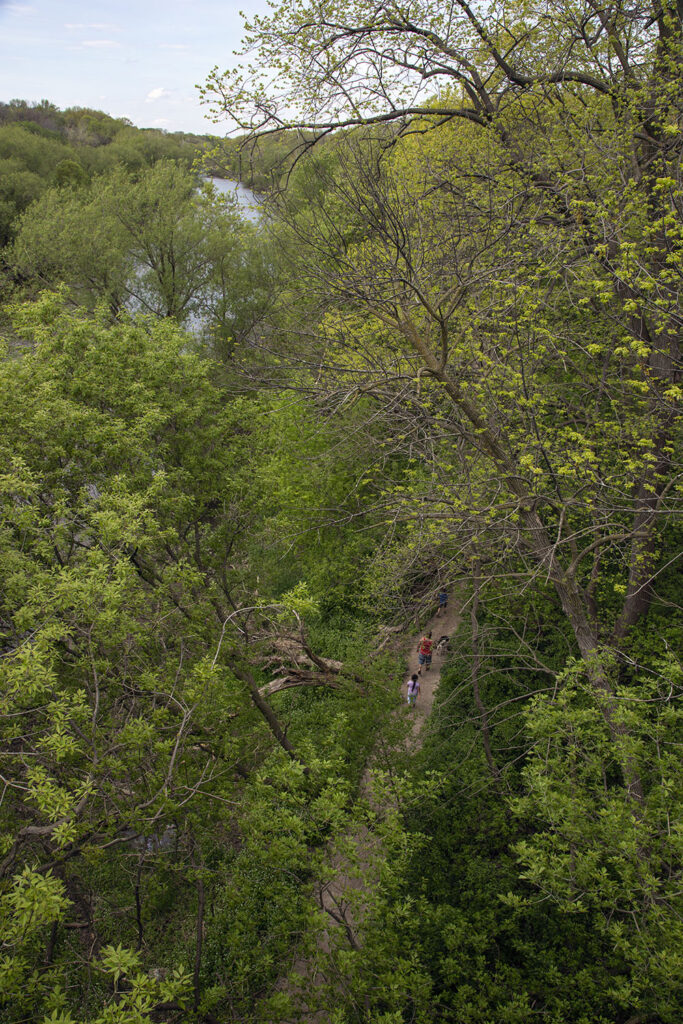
pixel 341 895
pixel 429 681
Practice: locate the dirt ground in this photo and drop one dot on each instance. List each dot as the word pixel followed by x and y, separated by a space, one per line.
pixel 445 624
pixel 340 896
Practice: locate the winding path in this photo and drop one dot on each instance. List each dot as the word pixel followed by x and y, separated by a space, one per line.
pixel 429 681
pixel 350 870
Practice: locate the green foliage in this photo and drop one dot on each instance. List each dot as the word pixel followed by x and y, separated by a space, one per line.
pixel 469 377
pixel 110 452
pixel 476 942
pixel 133 497
pixel 260 164
pixel 70 173
pixel 41 146
pixel 151 244
pixel 591 851
pixel 27 164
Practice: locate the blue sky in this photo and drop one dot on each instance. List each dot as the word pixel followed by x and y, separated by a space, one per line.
pixel 139 60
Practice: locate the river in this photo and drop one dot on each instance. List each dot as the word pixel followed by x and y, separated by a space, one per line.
pixel 246 200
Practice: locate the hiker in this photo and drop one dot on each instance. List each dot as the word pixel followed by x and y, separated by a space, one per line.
pixel 413 690
pixel 424 652
pixel 443 601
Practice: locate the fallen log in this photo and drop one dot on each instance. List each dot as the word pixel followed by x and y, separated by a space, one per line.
pixel 290 682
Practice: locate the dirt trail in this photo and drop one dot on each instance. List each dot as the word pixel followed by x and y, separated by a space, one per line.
pixel 341 895
pixel 445 624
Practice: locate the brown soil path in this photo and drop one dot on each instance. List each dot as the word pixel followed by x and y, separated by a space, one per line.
pixel 341 895
pixel 445 624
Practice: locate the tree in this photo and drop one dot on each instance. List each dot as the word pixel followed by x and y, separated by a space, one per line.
pixel 69 172
pixel 151 772
pixel 154 245
pixel 68 236
pixel 27 162
pixel 518 81
pixel 120 510
pixel 496 255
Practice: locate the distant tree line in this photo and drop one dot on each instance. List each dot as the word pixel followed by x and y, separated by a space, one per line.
pixel 42 146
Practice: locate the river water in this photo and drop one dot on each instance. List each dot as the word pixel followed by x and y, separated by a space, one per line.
pixel 246 200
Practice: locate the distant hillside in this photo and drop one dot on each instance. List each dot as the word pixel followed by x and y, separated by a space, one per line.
pixel 82 125
pixel 42 146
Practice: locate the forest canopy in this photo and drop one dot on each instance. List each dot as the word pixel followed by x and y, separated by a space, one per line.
pixel 446 357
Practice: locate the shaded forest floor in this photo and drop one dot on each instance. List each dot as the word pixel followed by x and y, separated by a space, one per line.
pixel 353 865
pixel 444 625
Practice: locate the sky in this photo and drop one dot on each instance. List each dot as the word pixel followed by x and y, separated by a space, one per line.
pixel 139 60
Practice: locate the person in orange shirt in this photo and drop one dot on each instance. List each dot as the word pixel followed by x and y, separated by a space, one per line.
pixel 424 652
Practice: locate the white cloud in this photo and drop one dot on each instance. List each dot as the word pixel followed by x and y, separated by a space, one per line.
pixel 173 46
pixel 156 94
pixel 161 122
pixel 99 42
